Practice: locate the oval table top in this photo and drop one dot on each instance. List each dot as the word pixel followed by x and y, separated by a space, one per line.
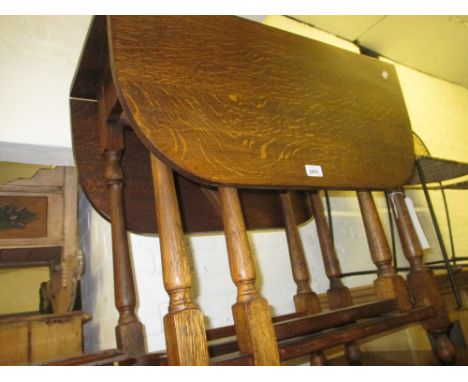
pixel 227 101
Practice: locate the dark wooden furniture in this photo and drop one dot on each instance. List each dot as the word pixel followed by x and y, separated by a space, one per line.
pixel 205 107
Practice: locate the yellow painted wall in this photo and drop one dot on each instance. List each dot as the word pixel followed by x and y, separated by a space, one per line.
pixel 10 171
pixel 20 289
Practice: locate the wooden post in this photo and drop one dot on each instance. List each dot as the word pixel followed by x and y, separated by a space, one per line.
pixel 64 283
pixel 338 294
pixel 184 327
pixel 388 284
pixel 421 281
pixel 305 299
pixel 252 318
pixel 129 331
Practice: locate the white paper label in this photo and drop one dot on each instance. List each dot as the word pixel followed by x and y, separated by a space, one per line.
pixel 417 225
pixel 313 170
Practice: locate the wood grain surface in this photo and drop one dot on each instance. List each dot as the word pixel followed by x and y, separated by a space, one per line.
pixel 305 345
pixel 388 283
pixel 252 317
pixel 200 206
pixel 305 300
pixel 228 101
pixel 183 324
pixel 93 62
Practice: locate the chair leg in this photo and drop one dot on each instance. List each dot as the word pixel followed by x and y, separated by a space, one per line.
pixel 338 294
pixel 421 281
pixel 305 299
pixel 388 284
pixel 129 331
pixel 252 318
pixel 184 327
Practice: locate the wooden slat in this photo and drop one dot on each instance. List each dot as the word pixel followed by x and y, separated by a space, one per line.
pixel 401 358
pixel 327 320
pixel 288 316
pixel 104 357
pixel 221 347
pixel 298 347
pixel 25 257
pixel 228 331
pixel 292 326
pixel 236 359
pixel 221 332
pixel 152 359
pixel 23 317
pixel 112 357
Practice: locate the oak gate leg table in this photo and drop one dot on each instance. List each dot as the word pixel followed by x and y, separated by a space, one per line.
pixel 213 122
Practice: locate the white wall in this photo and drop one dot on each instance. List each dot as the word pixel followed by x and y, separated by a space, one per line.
pixel 38 57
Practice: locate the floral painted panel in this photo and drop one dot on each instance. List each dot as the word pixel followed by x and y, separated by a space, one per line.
pixel 23 217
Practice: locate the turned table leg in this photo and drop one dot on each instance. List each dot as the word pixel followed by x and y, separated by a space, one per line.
pixel 338 294
pixel 388 284
pixel 252 318
pixel 421 281
pixel 129 331
pixel 184 327
pixel 305 299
